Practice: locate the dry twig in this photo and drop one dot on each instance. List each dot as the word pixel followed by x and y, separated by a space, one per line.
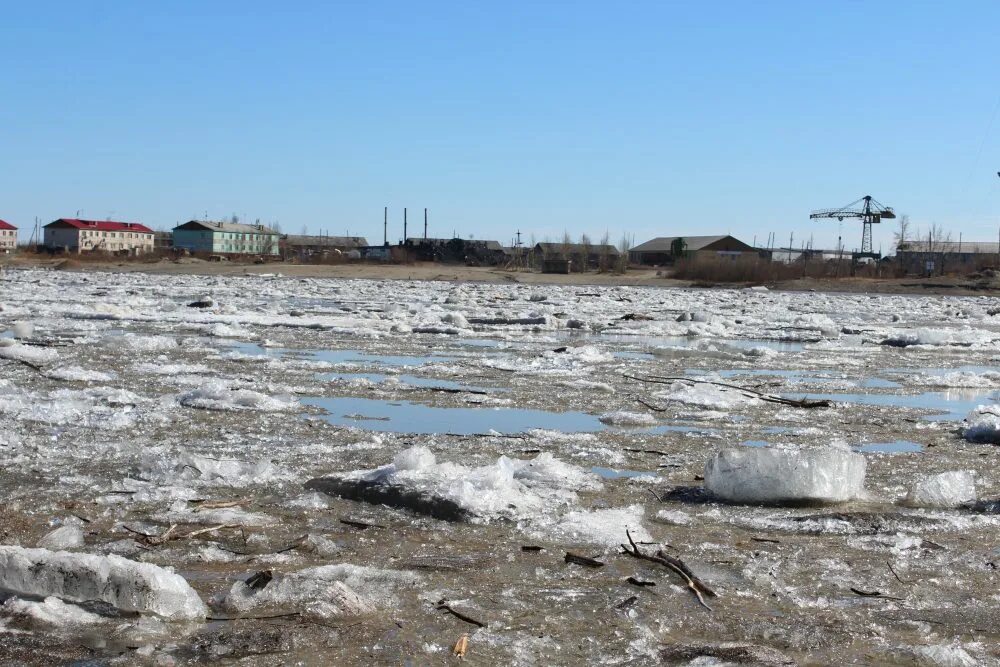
pixel 697 586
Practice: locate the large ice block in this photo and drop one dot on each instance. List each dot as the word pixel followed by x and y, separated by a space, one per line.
pixel 780 476
pixel 122 583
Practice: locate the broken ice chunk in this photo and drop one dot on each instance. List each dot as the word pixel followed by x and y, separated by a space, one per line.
pixel 415 481
pixel 778 476
pixel 326 591
pixel 63 537
pixel 122 583
pixel 983 425
pixel 945 490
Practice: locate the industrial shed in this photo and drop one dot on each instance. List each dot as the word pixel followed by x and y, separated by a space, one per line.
pixel 661 249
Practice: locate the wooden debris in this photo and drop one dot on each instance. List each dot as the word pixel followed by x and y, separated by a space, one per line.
pixel 697 586
pixel 627 603
pixel 217 504
pixel 359 524
pixel 640 583
pixel 531 547
pixel 443 605
pixel 751 393
pixel 461 647
pixel 765 539
pixel 506 320
pixel 259 580
pixel 582 560
pixel 873 594
pixel 450 390
pixel 895 574
pixel 171 534
pixel 655 452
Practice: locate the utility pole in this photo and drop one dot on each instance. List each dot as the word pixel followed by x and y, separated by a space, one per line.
pixel 385 226
pixel 425 224
pixel 404 225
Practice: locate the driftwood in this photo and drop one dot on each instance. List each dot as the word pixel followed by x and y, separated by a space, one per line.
pixel 582 560
pixel 627 603
pixel 30 364
pixel 640 583
pixel 531 548
pixel 443 605
pixel 171 534
pixel 873 594
pixel 697 586
pixel 259 580
pixel 360 525
pixel 292 614
pixel 751 393
pixel 896 574
pixel 450 390
pixel 506 320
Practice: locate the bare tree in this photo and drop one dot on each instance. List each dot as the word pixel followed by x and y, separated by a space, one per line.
pixel 585 249
pixel 902 233
pixel 624 245
pixel 605 261
pixel 937 238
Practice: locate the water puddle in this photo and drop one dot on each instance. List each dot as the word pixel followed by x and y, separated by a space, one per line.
pixel 952 405
pixel 895 447
pixel 640 356
pixel 407 417
pixel 755 443
pixel 336 356
pixel 610 473
pixel 670 428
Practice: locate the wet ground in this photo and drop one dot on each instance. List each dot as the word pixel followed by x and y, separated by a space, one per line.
pixel 141 412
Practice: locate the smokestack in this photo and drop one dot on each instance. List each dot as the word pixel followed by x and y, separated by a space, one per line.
pixel 385 226
pixel 404 225
pixel 425 224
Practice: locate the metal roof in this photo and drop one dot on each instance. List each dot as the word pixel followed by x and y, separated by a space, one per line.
pixel 972 247
pixel 6 225
pixel 335 241
pixel 236 227
pixel 694 243
pixel 576 247
pixel 101 225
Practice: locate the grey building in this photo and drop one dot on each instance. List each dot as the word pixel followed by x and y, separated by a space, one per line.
pixel 661 250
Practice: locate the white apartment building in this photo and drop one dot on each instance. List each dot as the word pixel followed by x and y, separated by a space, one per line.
pixel 73 235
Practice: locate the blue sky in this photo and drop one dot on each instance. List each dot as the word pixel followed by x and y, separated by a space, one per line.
pixel 649 119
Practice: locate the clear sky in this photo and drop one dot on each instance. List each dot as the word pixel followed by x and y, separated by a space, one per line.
pixel 646 118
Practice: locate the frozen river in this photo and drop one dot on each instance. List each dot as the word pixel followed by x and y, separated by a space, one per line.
pixel 469 436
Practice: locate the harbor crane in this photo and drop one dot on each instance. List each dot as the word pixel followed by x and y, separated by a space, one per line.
pixel 868 210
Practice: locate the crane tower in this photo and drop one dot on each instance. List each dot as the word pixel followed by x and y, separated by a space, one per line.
pixel 868 210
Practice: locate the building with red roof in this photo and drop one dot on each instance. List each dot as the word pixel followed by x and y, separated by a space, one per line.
pixel 8 238
pixel 72 235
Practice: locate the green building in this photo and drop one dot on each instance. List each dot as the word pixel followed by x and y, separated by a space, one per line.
pixel 225 238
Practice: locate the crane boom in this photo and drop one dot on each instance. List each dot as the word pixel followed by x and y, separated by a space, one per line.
pixel 867 209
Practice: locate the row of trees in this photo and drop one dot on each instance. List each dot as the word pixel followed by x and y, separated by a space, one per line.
pixel 936 236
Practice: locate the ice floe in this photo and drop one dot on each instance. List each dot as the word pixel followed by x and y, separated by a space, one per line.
pixel 122 583
pixel 778 476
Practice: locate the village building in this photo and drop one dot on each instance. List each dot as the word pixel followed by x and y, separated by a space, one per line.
pixel 581 256
pixel 303 246
pixel 667 249
pixel 940 257
pixel 226 238
pixel 76 236
pixel 470 251
pixel 8 238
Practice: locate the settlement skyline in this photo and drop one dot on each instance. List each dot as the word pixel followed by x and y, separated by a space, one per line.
pixel 653 119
